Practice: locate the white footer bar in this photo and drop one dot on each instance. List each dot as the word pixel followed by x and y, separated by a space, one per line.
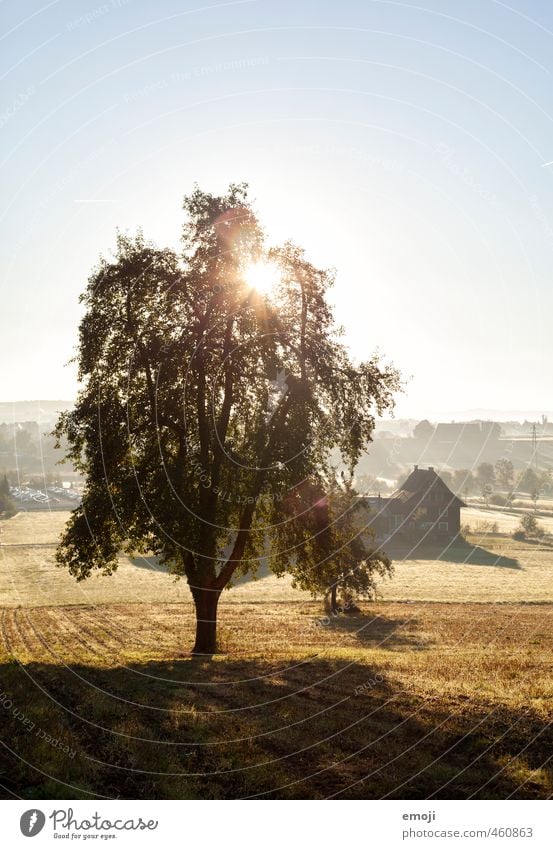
pixel 270 824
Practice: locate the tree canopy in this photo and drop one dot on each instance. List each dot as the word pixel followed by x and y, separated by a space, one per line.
pixel 504 472
pixel 424 430
pixel 206 405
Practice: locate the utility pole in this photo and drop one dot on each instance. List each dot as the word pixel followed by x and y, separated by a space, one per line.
pixel 535 447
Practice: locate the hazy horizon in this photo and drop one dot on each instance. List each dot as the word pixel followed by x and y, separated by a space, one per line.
pixel 439 415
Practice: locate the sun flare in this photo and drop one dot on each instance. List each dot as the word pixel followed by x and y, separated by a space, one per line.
pixel 262 276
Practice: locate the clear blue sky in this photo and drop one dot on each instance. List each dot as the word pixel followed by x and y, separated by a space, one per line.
pixel 402 143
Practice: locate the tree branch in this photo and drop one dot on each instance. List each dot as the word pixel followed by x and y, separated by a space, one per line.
pixel 246 518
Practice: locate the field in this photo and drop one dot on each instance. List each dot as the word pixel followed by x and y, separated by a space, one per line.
pixel 493 568
pixel 434 691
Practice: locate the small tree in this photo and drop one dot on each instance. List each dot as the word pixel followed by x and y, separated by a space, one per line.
pixel 528 527
pixel 344 562
pixel 546 482
pixel 204 401
pixel 504 472
pixel 485 474
pixel 529 481
pixel 487 491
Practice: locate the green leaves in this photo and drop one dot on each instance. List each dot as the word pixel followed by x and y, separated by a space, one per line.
pixel 205 405
pixel 333 547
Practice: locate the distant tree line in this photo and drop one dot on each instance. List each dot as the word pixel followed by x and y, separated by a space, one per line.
pixel 7 506
pixel 26 451
pixel 487 479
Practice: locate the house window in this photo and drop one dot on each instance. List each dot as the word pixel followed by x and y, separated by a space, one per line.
pixel 443 526
pixel 397 521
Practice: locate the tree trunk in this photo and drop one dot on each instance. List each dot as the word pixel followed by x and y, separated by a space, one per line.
pixel 206 601
pixel 331 602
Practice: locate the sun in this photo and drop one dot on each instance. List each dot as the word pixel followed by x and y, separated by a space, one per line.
pixel 261 276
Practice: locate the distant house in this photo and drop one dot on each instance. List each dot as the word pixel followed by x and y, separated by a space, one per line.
pixel 422 508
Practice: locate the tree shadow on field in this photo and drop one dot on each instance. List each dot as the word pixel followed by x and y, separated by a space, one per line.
pixel 305 728
pixel 152 564
pixel 539 542
pixel 375 630
pixel 463 553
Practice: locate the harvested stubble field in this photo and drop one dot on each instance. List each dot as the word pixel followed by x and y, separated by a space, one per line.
pixel 493 568
pixel 99 696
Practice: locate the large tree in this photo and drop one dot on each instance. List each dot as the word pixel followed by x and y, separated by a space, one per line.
pixel 205 404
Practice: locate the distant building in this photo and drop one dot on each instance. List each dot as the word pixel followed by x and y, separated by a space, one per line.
pixel 454 444
pixel 422 508
pixel 472 433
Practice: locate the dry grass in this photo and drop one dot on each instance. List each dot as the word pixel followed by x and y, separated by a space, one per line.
pixel 407 699
pixel 455 701
pixel 29 576
pixel 494 568
pixel 506 521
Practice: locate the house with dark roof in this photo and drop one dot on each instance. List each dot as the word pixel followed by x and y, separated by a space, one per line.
pixel 422 508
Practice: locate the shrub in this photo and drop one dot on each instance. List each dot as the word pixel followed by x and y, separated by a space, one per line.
pixel 486 527
pixel 529 524
pixel 498 499
pixel 528 527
